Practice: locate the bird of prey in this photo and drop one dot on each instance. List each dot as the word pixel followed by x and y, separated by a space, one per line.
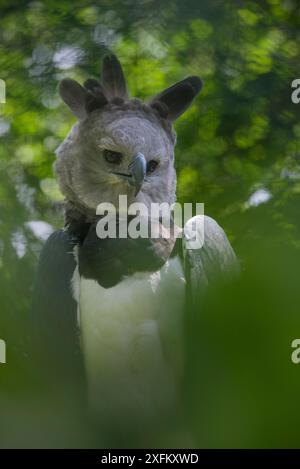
pixel 114 308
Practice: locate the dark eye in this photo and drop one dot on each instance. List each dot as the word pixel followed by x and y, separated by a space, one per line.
pixel 151 166
pixel 113 157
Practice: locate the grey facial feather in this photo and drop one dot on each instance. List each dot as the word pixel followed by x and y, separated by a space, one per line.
pixel 84 175
pixel 109 120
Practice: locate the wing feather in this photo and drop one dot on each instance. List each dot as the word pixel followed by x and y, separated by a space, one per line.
pixel 54 312
pixel 208 255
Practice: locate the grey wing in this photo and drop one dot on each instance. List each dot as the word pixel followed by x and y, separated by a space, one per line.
pixel 208 256
pixel 54 313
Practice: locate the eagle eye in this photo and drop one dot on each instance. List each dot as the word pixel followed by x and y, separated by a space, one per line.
pixel 113 157
pixel 151 166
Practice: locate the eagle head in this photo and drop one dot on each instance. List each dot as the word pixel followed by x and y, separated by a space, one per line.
pixel 120 145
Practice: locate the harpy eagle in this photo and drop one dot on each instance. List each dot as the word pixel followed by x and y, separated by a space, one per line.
pixel 114 308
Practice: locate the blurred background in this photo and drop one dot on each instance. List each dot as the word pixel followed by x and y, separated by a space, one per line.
pixel 238 152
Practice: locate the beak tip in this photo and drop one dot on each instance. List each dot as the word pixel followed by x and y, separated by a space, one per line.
pixel 138 169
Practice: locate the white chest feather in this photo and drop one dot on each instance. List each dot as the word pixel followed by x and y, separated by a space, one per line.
pixel 132 341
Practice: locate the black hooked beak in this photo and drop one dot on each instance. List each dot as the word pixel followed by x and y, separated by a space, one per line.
pixel 137 169
pixel 136 172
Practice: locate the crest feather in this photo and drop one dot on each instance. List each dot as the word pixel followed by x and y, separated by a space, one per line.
pixel 113 78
